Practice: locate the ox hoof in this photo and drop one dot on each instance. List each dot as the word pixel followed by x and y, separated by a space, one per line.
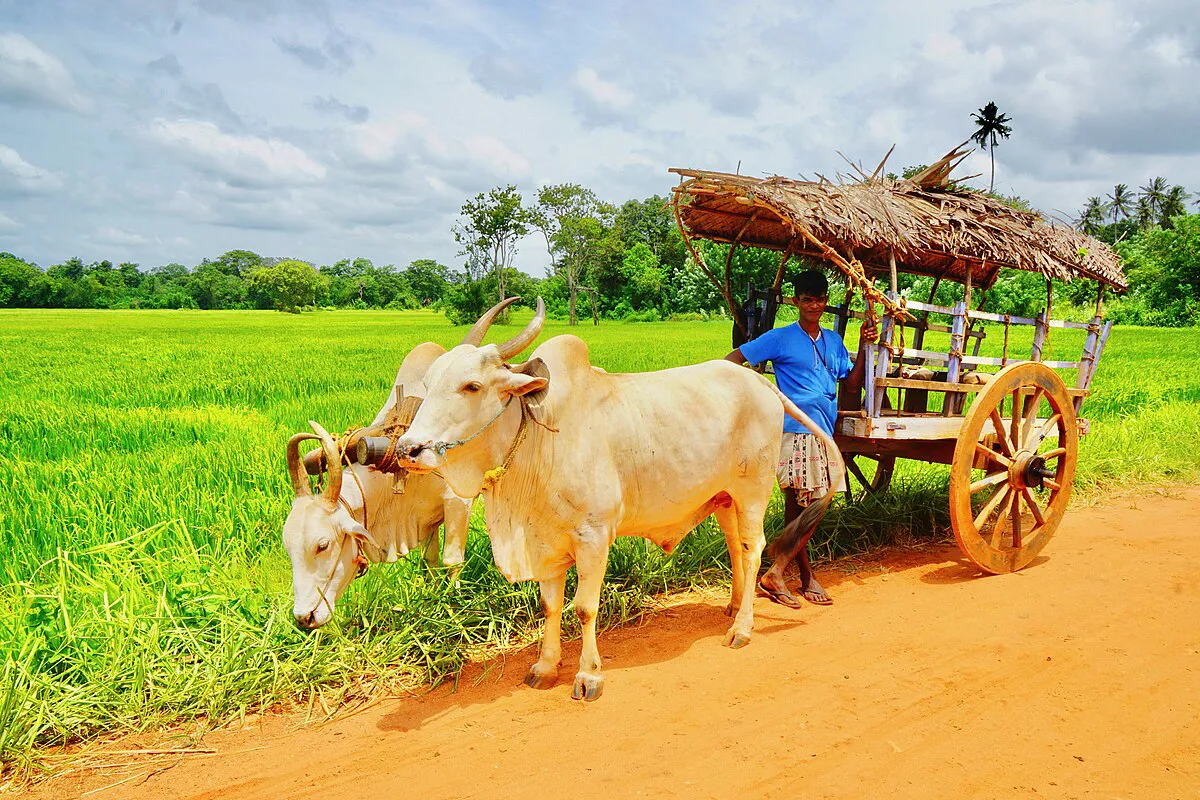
pixel 735 639
pixel 587 687
pixel 536 679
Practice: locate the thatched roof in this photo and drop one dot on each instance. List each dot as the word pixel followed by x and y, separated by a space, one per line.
pixel 931 227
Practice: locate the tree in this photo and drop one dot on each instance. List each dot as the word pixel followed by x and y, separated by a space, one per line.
pixel 1120 201
pixel 239 263
pixel 1153 194
pixel 1174 203
pixel 989 124
pixel 644 277
pixel 427 280
pixel 575 223
pixel 489 230
pixel 289 285
pixel 18 281
pixel 1091 219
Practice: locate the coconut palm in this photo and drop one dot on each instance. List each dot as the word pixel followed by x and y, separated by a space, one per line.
pixel 989 124
pixel 1153 193
pixel 1174 203
pixel 1143 212
pixel 1120 201
pixel 1092 216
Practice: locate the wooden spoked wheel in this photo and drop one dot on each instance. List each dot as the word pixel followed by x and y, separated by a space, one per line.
pixel 1013 467
pixel 873 473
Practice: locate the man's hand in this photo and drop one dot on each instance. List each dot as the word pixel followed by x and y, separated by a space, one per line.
pixel 868 333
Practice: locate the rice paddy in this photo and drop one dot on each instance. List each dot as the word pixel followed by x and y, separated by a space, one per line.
pixel 143 491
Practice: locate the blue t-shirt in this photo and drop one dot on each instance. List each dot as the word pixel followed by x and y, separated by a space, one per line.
pixel 807 371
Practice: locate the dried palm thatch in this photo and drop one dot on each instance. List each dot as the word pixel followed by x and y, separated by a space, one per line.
pixel 927 224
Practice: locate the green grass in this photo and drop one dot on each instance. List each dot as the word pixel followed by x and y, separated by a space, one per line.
pixel 143 493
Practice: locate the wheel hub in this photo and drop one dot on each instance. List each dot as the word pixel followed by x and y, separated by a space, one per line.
pixel 1028 471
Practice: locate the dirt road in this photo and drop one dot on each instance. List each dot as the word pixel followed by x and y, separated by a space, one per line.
pixel 1076 678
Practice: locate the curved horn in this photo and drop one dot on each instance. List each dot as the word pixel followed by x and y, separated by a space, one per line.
pixel 525 337
pixel 296 465
pixel 475 336
pixel 333 460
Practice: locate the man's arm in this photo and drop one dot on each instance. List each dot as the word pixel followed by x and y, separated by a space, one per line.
pixel 735 355
pixel 868 333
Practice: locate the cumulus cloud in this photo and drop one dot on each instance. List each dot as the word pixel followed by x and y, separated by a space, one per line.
pixel 331 105
pixel 504 75
pixel 337 53
pixel 237 160
pixel 29 76
pixel 411 147
pixel 119 237
pixel 19 176
pixel 599 101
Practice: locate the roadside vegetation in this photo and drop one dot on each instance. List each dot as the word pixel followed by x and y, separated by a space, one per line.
pixel 143 493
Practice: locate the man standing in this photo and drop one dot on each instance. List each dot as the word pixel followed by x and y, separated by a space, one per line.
pixel 809 361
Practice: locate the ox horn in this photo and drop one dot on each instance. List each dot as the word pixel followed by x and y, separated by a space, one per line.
pixel 333 461
pixel 525 337
pixel 296 465
pixel 475 336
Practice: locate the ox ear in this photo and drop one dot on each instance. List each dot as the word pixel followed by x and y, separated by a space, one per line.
pixel 531 379
pixel 362 535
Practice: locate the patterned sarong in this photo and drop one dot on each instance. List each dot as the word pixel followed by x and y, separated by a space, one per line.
pixel 804 466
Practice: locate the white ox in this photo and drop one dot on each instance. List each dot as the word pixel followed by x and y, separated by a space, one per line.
pixel 358 519
pixel 602 455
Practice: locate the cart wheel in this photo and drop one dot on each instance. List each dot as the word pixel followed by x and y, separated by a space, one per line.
pixel 875 478
pixel 1008 491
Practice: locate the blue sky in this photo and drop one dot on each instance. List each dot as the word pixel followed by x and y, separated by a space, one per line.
pixel 169 130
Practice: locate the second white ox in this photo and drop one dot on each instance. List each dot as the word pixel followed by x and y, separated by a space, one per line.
pixel 358 519
pixel 569 457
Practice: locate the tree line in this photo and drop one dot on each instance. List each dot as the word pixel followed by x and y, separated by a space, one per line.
pixel 607 262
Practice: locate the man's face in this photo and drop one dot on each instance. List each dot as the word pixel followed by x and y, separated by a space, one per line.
pixel 811 307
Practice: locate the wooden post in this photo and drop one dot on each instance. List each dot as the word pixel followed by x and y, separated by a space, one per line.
pixel 872 353
pixel 883 358
pixel 954 367
pixel 1041 333
pixel 967 286
pixel 844 320
pixel 892 273
pixel 919 336
pixel 1100 301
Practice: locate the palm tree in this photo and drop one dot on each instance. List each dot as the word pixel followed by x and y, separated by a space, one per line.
pixel 1174 203
pixel 1153 193
pixel 1143 212
pixel 1120 201
pixel 990 123
pixel 1092 216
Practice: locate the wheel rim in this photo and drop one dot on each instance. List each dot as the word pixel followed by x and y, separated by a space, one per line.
pixel 1012 473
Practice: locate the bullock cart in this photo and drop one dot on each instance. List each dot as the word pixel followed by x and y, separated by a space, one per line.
pixel 1007 424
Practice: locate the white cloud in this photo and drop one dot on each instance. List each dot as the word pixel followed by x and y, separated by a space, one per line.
pixel 9 224
pixel 238 160
pixel 29 76
pixel 599 100
pixel 19 176
pixel 119 236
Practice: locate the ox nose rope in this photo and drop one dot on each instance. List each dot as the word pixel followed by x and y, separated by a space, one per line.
pixel 441 447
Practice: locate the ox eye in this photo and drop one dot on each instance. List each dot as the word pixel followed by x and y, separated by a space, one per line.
pixel 322 547
pixel 471 388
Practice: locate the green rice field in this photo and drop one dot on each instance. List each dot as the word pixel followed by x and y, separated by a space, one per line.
pixel 143 491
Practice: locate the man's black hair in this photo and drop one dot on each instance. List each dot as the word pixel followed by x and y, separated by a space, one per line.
pixel 811 282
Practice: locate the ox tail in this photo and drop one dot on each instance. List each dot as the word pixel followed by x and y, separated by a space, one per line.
pixel 803 527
